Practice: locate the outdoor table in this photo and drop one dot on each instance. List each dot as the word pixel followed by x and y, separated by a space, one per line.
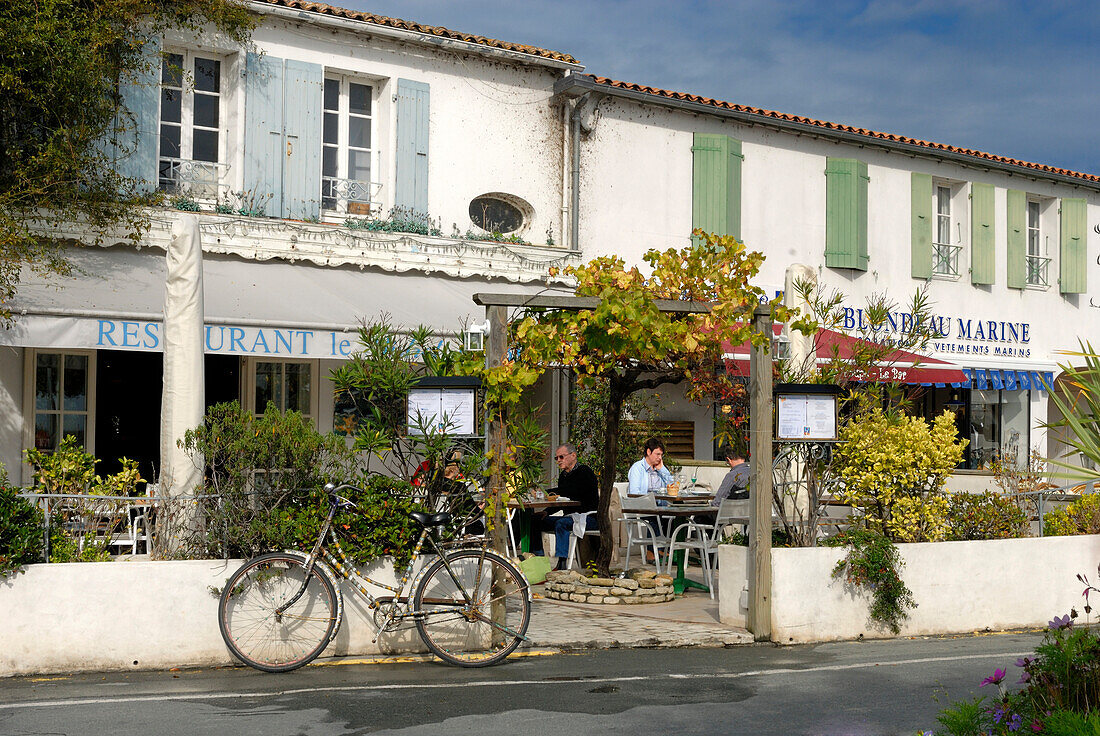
pixel 686 498
pixel 525 510
pixel 680 583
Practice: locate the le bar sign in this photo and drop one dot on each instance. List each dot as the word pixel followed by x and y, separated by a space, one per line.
pixel 805 412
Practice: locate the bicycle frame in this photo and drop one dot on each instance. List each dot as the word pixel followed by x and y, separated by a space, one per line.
pixel 342 566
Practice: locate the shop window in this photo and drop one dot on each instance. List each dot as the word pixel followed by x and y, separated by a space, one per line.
pixel 995 421
pixel 62 401
pixel 288 385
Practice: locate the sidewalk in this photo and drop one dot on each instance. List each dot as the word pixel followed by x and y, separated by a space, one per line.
pixel 690 620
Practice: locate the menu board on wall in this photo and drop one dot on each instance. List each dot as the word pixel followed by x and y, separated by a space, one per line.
pixel 446 409
pixel 810 417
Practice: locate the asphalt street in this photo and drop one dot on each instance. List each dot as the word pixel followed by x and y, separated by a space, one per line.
pixel 874 687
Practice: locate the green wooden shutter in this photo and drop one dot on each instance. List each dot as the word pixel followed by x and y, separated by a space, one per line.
pixel 846 213
pixel 921 224
pixel 1017 239
pixel 982 231
pixel 411 158
pixel 716 184
pixel 1072 256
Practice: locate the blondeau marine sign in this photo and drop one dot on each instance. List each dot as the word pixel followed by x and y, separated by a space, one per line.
pixel 956 335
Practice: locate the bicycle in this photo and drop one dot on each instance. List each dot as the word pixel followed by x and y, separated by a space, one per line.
pixel 280 610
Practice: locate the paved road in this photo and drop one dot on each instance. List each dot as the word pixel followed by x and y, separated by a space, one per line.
pixel 879 687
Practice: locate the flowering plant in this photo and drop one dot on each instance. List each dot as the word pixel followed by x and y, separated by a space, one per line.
pixel 1059 687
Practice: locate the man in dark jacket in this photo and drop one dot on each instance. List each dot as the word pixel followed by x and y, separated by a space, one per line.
pixel 576 481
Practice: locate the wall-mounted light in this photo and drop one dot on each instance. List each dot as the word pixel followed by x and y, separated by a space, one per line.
pixel 473 339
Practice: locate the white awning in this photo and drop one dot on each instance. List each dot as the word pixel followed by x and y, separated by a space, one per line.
pixel 116 302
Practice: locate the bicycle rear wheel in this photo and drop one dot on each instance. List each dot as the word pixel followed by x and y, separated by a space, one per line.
pixel 257 633
pixel 476 617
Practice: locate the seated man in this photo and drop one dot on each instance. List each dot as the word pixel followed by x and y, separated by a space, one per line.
pixel 576 481
pixel 649 475
pixel 735 484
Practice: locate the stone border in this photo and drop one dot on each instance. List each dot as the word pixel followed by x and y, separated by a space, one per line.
pixel 640 586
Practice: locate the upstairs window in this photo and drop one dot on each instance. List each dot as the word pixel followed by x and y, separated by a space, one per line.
pixel 191 141
pixel 1038 264
pixel 347 152
pixel 945 253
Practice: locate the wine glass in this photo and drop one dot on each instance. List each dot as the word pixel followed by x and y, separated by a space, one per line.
pixel 694 477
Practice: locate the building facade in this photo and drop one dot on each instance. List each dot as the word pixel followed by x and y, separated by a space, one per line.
pixel 348 165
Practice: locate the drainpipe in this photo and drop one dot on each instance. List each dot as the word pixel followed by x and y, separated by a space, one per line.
pixel 575 118
pixel 563 229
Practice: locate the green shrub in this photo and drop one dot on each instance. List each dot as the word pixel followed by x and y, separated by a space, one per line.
pixel 21 537
pixel 1080 517
pixel 984 516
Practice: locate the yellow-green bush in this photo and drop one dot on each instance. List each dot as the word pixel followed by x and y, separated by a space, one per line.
pixel 893 468
pixel 1080 517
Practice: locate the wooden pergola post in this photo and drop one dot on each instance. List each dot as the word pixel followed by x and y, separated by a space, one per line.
pixel 496 438
pixel 759 617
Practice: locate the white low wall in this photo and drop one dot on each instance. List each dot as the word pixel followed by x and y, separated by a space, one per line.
pixel 138 615
pixel 958 587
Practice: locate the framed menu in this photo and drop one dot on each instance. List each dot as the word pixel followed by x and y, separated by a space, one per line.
pixel 806 412
pixel 447 406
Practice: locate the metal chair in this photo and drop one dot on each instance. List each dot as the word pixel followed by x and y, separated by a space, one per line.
pixel 640 532
pixel 704 538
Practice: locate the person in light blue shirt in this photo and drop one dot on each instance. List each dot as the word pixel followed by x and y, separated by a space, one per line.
pixel 649 475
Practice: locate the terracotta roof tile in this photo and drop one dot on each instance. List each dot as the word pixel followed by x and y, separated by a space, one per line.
pixel 405 25
pixel 892 137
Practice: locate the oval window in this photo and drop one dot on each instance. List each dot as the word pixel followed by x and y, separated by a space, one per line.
pixel 499 213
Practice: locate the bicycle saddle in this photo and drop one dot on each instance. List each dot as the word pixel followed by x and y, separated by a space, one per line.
pixel 430 520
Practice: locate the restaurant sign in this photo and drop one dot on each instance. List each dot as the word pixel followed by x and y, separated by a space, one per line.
pixel 146 336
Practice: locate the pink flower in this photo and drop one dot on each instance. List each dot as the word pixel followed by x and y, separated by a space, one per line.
pixel 995 679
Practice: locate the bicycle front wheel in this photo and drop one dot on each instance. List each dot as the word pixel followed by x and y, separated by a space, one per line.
pixel 258 632
pixel 472 610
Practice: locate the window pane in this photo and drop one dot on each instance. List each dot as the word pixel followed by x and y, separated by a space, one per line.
pixel 359 132
pixel 359 165
pixel 331 128
pixel 328 161
pixel 1033 214
pixel 206 145
pixel 359 98
pixel 171 71
pixel 207 75
pixel 985 425
pixel 170 105
pixel 298 387
pixel 1014 418
pixel 332 94
pixel 170 141
pixel 45 431
pixel 206 110
pixel 943 200
pixel 76 382
pixel 268 386
pixel 75 425
pixel 47 383
pixel 943 230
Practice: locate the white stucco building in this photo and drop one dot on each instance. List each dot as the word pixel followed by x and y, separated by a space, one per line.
pixel 299 149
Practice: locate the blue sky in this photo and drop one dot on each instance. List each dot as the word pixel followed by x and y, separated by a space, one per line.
pixel 1012 78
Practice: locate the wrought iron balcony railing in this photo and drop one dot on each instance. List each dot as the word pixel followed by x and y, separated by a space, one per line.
pixel 945 260
pixel 198 180
pixel 1038 271
pixel 350 196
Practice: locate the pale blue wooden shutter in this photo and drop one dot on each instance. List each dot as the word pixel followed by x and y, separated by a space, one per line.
pixel 135 155
pixel 263 133
pixel 411 163
pixel 303 88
